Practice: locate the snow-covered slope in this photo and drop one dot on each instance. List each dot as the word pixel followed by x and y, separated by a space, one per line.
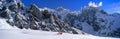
pixel 95 21
pixel 36 34
pixel 9 32
pixel 91 20
pixel 32 17
pixel 5 25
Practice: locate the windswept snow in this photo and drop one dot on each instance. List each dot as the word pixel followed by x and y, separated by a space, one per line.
pixel 35 34
pixel 5 25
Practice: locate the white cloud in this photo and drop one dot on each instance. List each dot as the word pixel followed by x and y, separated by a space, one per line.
pixel 100 4
pixel 93 4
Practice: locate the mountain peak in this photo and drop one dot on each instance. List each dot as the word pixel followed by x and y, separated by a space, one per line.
pixel 92 20
pixel 94 10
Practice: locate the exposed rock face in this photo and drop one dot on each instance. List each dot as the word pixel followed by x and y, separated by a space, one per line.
pixel 34 10
pixel 94 21
pixel 91 20
pixel 89 15
pixel 33 17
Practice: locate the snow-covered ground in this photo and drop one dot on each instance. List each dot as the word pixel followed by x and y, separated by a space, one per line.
pixel 9 32
pixel 35 34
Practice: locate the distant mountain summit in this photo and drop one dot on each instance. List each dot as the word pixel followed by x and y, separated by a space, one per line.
pixel 91 20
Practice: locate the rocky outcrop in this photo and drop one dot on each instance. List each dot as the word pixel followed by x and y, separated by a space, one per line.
pixel 34 10
pixel 34 18
pixel 91 20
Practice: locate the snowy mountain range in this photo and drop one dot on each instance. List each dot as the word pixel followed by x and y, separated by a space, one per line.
pixel 9 32
pixel 91 20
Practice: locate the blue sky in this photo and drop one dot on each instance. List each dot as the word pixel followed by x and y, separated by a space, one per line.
pixel 110 6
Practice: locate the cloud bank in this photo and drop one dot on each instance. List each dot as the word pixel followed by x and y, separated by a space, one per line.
pixel 93 4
